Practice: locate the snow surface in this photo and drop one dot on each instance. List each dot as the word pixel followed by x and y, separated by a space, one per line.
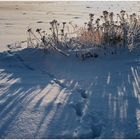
pixel 54 96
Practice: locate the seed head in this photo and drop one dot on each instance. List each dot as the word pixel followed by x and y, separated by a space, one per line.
pixel 54 21
pixel 63 23
pixel 105 13
pixel 38 30
pixel 134 14
pixel 111 14
pixel 122 12
pixel 62 30
pixel 91 15
pixel 29 30
pixel 51 23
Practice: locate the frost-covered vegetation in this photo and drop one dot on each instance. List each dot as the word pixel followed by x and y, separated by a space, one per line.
pixel 108 32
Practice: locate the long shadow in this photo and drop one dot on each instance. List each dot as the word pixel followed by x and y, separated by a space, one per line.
pixel 18 89
pixel 23 91
pixel 114 95
pixel 118 100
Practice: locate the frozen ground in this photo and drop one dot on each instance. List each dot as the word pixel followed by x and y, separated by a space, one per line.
pixel 53 96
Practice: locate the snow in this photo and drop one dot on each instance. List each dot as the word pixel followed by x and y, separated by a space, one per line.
pixel 54 96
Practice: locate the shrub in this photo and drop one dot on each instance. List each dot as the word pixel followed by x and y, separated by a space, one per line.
pixel 103 32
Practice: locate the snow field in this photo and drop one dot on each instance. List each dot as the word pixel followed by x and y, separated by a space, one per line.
pixel 53 96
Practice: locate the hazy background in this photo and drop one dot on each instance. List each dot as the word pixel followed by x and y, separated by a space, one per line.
pixel 16 17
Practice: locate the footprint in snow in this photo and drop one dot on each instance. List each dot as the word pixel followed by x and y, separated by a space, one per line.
pixel 93 124
pixel 39 21
pixel 88 7
pixel 76 17
pixel 96 130
pixel 78 107
pixel 84 133
pixel 83 93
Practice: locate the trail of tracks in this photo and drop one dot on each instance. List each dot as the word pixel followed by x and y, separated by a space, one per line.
pixel 80 107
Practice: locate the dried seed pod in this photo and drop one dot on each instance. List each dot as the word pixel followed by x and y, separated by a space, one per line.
pixel 91 15
pixel 122 12
pixel 64 23
pixel 38 30
pixel 29 30
pixel 105 13
pixel 62 31
pixel 111 14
